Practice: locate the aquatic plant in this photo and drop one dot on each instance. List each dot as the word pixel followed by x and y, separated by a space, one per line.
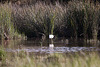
pixel 7 29
pixel 76 19
pixel 35 21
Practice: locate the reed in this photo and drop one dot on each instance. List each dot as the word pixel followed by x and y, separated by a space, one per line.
pixel 52 60
pixel 7 30
pixel 37 19
pixel 76 19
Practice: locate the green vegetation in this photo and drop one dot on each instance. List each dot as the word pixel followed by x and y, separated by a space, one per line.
pixel 75 19
pixel 7 30
pixel 2 54
pixel 24 59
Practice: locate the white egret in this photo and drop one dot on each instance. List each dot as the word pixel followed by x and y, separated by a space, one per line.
pixel 51 36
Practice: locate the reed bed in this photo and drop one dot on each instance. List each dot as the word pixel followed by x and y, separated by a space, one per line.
pixel 37 19
pixel 76 19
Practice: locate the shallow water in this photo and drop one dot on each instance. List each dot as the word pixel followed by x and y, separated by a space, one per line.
pixel 54 50
pixel 39 46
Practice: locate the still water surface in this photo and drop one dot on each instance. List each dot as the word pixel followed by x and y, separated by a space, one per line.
pixel 60 46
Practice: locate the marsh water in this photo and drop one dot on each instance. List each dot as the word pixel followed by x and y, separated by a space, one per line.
pixel 60 46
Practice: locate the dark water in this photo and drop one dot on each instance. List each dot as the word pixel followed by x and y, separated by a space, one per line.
pixel 60 46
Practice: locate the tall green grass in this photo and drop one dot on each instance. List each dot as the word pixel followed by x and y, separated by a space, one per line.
pixel 23 59
pixel 35 20
pixel 76 19
pixel 7 29
pixel 5 20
